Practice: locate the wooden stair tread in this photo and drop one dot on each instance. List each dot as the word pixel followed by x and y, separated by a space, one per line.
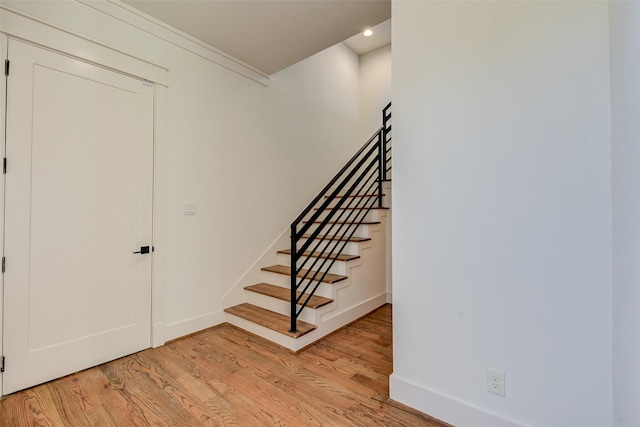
pixel 356 195
pixel 346 222
pixel 286 270
pixel 341 239
pixel 354 208
pixel 341 257
pixel 269 319
pixel 284 294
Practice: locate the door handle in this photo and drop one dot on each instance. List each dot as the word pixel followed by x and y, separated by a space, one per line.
pixel 144 250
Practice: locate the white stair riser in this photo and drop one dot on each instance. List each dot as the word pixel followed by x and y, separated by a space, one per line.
pixel 324 289
pixel 308 315
pixel 327 246
pixel 261 331
pixel 338 267
pixel 296 344
pixel 342 230
pixel 348 215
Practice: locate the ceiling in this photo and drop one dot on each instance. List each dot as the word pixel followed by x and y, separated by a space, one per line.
pixel 381 37
pixel 270 35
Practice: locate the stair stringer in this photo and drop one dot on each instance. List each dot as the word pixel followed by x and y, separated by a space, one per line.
pixel 363 291
pixel 254 274
pixel 387 190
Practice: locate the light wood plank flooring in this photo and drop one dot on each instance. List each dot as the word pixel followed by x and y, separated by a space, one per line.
pixel 228 377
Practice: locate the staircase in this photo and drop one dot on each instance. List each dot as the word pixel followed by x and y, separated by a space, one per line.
pixel 330 268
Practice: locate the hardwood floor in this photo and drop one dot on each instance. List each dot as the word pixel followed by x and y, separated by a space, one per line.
pixel 227 377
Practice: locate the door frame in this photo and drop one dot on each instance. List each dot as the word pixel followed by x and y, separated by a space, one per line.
pixel 48 37
pixel 3 96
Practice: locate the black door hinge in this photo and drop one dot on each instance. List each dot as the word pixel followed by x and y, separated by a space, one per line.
pixel 4 165
pixel 6 67
pixel 3 262
pixel 2 364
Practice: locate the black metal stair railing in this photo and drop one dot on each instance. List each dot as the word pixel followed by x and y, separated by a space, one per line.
pixel 322 231
pixel 386 140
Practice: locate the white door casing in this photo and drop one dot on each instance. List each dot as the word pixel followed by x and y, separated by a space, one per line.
pixel 78 203
pixel 3 91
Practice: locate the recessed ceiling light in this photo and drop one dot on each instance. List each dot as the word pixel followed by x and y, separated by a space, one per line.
pixel 367 33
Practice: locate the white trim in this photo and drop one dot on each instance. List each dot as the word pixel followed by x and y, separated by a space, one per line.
pixel 325 328
pixel 236 294
pixel 32 30
pixel 26 27
pixel 3 94
pixel 157 335
pixel 193 325
pixel 157 28
pixel 158 276
pixel 443 407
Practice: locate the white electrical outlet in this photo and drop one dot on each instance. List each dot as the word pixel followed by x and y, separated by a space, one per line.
pixel 495 381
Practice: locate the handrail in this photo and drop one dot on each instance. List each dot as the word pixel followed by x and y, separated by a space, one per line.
pixel 334 215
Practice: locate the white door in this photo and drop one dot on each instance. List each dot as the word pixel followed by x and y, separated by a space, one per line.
pixel 78 202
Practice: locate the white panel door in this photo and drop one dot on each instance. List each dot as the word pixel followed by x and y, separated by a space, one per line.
pixel 78 203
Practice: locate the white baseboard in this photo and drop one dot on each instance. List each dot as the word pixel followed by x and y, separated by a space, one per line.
pixel 195 324
pixel 442 407
pixel 157 335
pixel 336 321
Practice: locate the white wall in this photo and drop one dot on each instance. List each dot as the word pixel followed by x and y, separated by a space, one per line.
pixel 375 89
pixel 502 211
pixel 624 22
pixel 375 94
pixel 248 156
